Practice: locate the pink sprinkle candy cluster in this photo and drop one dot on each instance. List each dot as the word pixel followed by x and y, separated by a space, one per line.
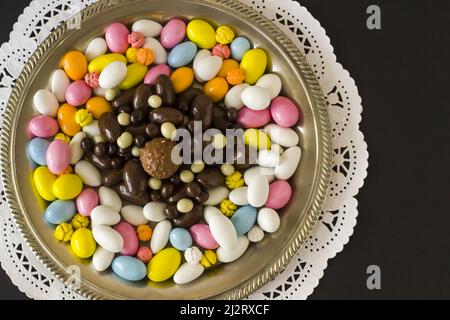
pixel 136 39
pixel 91 79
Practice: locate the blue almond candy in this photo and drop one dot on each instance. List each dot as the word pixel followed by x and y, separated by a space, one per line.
pixel 180 239
pixel 244 219
pixel 129 268
pixel 182 54
pixel 60 211
pixel 37 149
pixel 239 47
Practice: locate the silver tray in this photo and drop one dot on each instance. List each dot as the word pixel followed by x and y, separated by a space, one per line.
pixel 263 260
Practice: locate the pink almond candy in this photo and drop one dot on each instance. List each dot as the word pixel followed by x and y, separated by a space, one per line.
pixel 116 36
pixel 43 126
pixel 203 237
pixel 129 236
pixel 78 93
pixel 173 33
pixel 58 156
pixel 86 201
pixel 249 118
pixel 155 72
pixel 284 112
pixel 280 193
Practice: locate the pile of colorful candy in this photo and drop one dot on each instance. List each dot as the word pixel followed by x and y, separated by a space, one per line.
pixel 102 142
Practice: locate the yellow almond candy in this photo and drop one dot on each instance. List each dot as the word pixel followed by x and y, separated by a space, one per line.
pixel 67 186
pixel 99 63
pixel 254 64
pixel 201 33
pixel 135 74
pixel 82 243
pixel 98 106
pixel 164 265
pixel 256 139
pixel 182 79
pixel 44 180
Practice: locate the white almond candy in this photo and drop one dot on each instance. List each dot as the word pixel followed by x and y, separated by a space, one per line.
pixel 258 191
pixel 272 83
pixel 202 54
pixel 95 48
pixel 285 137
pixel 102 259
pixel 277 148
pixel 45 102
pixel 160 236
pixel 92 129
pixel 59 84
pixel 207 68
pixel 108 238
pixel 88 173
pixel 268 158
pixel 256 234
pixel 210 211
pixel 76 152
pixel 154 211
pixel 100 92
pixel 233 97
pixel 104 215
pixel 223 231
pixel 133 215
pixel 216 196
pixel 109 197
pixel 188 272
pixel 255 98
pixel 147 28
pixel 249 174
pixel 239 196
pixel 288 163
pixel 113 74
pixel 229 255
pixel 268 220
pixel 159 53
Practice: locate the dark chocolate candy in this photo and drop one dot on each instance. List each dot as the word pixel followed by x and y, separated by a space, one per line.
pixel 188 219
pixel 210 178
pixel 161 115
pixel 141 95
pixel 125 99
pixel 164 89
pixel 112 177
pixel 139 199
pixel 109 127
pixel 134 177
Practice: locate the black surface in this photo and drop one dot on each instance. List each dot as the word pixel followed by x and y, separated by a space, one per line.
pixel 402 75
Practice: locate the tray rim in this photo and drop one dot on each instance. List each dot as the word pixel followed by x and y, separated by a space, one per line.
pixel 323 136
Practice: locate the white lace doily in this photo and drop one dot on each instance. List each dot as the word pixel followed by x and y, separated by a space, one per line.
pixel 338 219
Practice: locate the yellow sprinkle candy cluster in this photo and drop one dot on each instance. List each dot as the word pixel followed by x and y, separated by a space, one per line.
pixel 224 35
pixel 227 207
pixel 235 180
pixel 62 136
pixel 63 232
pixel 79 221
pixel 209 258
pixel 131 54
pixel 83 117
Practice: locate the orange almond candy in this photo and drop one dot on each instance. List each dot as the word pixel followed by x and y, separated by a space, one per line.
pixel 66 120
pixel 98 106
pixel 182 79
pixel 74 64
pixel 216 89
pixel 227 65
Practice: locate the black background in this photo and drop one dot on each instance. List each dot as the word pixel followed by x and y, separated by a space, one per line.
pixel 402 74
